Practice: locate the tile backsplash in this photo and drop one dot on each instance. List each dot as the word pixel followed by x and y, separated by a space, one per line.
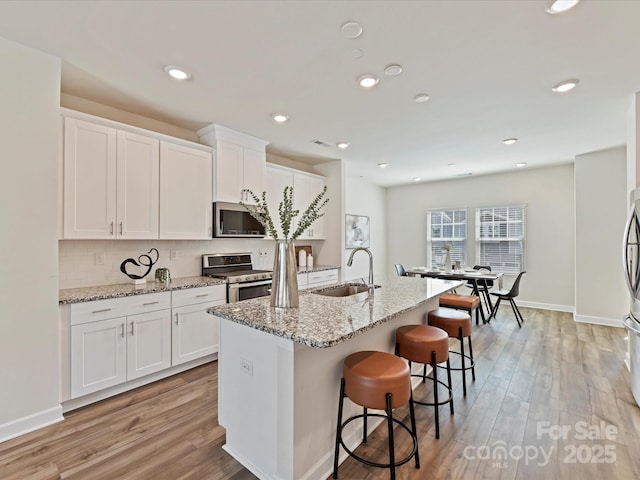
pixel 86 263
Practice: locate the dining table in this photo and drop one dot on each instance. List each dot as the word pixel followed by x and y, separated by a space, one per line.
pixel 471 276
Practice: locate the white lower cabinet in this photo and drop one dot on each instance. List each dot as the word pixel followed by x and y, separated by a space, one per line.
pixel 121 339
pixel 116 340
pixel 317 279
pixel 194 333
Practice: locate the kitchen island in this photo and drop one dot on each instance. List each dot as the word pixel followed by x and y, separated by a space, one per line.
pixel 279 370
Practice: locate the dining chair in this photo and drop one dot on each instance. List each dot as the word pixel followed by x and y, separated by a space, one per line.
pixel 509 295
pixel 400 270
pixel 483 287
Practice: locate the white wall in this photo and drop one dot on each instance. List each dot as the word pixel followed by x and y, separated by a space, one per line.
pixel 548 194
pixel 29 122
pixel 364 198
pixel 601 207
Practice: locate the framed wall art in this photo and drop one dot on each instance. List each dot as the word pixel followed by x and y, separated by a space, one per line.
pixel 357 231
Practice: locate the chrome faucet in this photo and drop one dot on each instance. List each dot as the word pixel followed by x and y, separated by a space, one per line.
pixel 350 262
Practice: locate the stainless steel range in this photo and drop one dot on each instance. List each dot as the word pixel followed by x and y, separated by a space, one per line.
pixel 243 282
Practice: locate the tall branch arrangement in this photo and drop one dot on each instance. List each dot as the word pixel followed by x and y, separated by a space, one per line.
pixel 260 211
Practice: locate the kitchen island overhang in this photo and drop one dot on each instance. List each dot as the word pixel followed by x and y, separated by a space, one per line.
pixel 279 370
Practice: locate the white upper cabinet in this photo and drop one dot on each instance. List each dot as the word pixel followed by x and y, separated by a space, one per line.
pixel 306 187
pixel 137 186
pixel 239 162
pixel 89 180
pixel 114 186
pixel 185 193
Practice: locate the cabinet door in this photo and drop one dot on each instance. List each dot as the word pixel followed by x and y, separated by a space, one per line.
pixel 185 193
pixel 89 180
pixel 306 188
pixel 148 343
pixel 229 172
pixel 138 173
pixel 254 172
pixel 98 355
pixel 277 180
pixel 303 281
pixel 194 332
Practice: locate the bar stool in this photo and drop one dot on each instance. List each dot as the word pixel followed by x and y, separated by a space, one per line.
pixel 456 324
pixel 380 381
pixel 429 346
pixel 468 303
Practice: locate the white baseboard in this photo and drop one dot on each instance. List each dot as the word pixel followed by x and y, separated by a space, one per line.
pixel 543 306
pixel 32 422
pixel 607 322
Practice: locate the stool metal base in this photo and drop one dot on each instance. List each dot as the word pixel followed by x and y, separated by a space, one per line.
pixel 393 463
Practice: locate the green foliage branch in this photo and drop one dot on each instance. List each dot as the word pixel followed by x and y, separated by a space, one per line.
pixel 260 211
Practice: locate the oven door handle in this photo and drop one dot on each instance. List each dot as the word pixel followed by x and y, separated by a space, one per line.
pixel 238 286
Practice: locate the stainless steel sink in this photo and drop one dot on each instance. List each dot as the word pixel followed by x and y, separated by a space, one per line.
pixel 343 290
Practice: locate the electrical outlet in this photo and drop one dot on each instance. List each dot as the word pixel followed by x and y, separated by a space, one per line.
pixel 246 366
pixel 173 254
pixel 98 258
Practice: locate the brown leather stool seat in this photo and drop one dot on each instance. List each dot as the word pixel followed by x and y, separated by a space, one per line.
pixel 430 346
pixel 457 325
pixel 380 381
pixel 468 303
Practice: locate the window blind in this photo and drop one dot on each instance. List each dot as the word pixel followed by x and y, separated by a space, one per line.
pixel 500 238
pixel 446 227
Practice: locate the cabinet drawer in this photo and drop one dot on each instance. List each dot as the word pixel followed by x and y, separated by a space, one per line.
pixel 326 277
pixel 191 296
pixel 97 310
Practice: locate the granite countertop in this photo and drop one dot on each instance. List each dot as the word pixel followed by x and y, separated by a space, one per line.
pixel 87 294
pixel 317 268
pixel 323 321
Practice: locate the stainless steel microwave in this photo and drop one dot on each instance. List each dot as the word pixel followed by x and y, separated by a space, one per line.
pixel 233 220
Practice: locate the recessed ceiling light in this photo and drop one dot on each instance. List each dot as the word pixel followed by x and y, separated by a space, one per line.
pixel 559 6
pixel 351 29
pixel 421 98
pixel 177 72
pixel 509 141
pixel 383 165
pixel 357 53
pixel 393 70
pixel 451 164
pixel 279 117
pixel 342 145
pixel 416 179
pixel 521 164
pixel 565 86
pixel 368 80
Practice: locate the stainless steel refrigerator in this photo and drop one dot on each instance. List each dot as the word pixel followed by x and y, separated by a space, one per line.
pixel 631 258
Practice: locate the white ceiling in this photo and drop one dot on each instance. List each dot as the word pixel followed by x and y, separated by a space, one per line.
pixel 487 65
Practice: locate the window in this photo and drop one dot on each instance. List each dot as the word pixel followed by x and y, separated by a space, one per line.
pixel 500 234
pixel 446 227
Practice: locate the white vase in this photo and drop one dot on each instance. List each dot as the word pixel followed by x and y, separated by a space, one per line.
pixel 284 288
pixel 447 262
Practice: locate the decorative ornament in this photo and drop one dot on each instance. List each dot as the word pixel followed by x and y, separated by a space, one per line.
pixel 144 260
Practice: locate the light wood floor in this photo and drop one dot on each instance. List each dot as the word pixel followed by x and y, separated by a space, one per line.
pixel 552 372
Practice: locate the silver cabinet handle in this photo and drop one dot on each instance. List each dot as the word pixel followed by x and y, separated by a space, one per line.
pixel 101 311
pixel 177 322
pixel 150 303
pixel 122 333
pixel 120 228
pixel 132 329
pixel 111 229
pixel 202 295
